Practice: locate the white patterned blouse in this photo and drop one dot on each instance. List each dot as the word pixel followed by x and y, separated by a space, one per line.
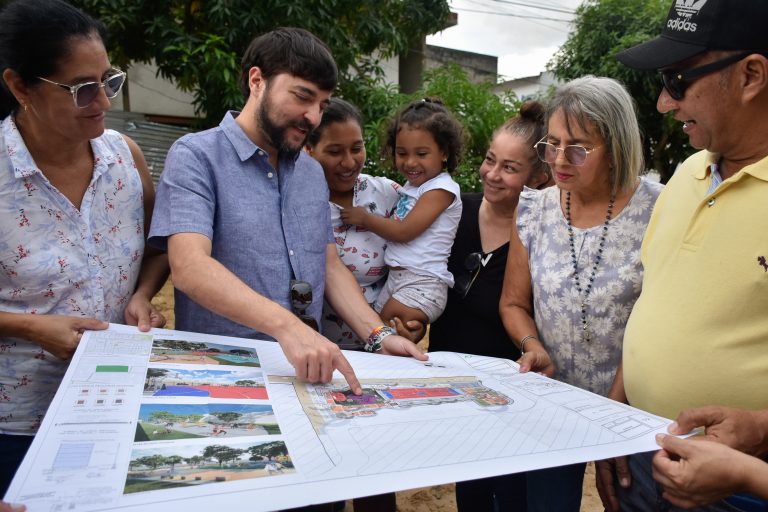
pixel 543 230
pixel 56 259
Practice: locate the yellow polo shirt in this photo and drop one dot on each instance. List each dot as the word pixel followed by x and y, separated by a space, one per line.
pixel 698 334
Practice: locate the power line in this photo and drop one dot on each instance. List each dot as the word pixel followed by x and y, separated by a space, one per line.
pixel 545 25
pixel 510 14
pixel 549 8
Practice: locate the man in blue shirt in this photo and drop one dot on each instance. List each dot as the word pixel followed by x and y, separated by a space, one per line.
pixel 243 212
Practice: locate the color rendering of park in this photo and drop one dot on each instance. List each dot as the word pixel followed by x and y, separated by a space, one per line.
pixel 164 467
pixel 160 422
pixel 231 384
pixel 189 352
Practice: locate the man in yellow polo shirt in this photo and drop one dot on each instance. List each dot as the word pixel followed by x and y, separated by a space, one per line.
pixel 698 334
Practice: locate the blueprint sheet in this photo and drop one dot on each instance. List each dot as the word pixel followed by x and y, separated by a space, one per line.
pixel 171 420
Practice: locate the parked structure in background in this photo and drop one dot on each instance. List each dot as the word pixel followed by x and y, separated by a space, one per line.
pixel 530 87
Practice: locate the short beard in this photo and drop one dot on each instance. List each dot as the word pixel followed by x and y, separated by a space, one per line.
pixel 274 133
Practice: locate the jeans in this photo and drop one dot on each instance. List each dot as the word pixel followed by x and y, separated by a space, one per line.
pixel 645 494
pixel 12 451
pixel 556 489
pixel 505 493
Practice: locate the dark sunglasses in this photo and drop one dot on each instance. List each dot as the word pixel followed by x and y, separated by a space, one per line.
pixel 83 94
pixel 473 263
pixel 676 82
pixel 301 299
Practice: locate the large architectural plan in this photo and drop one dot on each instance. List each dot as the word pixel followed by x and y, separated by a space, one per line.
pixel 148 421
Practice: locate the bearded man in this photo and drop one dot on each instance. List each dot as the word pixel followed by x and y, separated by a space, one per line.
pixel 243 213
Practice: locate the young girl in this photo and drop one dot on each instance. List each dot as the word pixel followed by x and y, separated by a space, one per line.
pixel 425 141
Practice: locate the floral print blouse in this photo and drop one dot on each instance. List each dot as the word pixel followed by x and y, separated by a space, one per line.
pixel 57 259
pixel 362 251
pixel 543 230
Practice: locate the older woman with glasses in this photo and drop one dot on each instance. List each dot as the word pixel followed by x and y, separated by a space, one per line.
pixel 574 271
pixel 471 321
pixel 75 203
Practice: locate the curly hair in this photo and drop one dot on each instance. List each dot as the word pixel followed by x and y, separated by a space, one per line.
pixel 431 115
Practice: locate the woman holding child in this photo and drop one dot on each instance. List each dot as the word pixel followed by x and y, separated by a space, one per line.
pixel 574 271
pixel 337 144
pixel 425 142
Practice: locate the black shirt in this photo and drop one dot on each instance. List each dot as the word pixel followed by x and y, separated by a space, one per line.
pixel 472 324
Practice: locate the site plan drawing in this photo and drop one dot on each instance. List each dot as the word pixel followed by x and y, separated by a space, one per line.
pixel 148 421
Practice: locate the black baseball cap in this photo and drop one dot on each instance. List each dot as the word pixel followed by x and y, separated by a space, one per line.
pixel 697 26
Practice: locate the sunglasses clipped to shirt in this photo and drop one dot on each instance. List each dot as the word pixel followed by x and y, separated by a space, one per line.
pixel 85 93
pixel 473 263
pixel 676 82
pixel 301 299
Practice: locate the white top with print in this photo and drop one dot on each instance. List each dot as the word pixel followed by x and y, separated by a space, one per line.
pixel 56 259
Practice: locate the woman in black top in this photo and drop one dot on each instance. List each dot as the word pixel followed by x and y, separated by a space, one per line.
pixel 471 321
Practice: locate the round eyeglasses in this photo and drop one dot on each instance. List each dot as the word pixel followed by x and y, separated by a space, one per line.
pixel 575 155
pixel 85 93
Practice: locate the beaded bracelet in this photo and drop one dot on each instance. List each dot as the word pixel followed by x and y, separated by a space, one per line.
pixel 373 343
pixel 522 342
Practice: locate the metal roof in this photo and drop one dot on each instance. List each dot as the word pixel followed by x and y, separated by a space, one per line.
pixel 154 139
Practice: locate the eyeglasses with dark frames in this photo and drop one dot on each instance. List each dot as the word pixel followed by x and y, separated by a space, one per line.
pixel 301 299
pixel 473 263
pixel 574 154
pixel 85 93
pixel 676 82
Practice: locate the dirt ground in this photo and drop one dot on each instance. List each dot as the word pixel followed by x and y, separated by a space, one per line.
pixel 429 499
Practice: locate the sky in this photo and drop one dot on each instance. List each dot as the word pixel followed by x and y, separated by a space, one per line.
pixel 524 34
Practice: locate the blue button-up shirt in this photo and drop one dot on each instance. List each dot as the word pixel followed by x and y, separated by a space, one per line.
pixel 265 227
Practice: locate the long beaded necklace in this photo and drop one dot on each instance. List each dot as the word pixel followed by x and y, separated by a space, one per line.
pixel 588 288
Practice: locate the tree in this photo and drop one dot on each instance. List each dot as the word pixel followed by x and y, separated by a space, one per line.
pixel 222 453
pixel 173 460
pixel 267 450
pixel 152 461
pixel 195 460
pixel 246 382
pixel 152 375
pixel 478 109
pixel 602 29
pixel 163 417
pixel 198 43
pixel 227 417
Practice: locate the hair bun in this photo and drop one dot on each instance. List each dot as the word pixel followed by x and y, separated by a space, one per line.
pixel 532 110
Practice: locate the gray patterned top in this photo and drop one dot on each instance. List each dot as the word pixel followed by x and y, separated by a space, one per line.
pixel 557 304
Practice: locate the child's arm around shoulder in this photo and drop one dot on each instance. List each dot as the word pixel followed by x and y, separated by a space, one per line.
pixel 426 210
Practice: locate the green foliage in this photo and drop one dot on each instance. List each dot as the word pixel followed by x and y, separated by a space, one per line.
pixel 198 43
pixel 227 417
pixel 268 450
pixel 478 109
pixel 602 29
pixel 222 453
